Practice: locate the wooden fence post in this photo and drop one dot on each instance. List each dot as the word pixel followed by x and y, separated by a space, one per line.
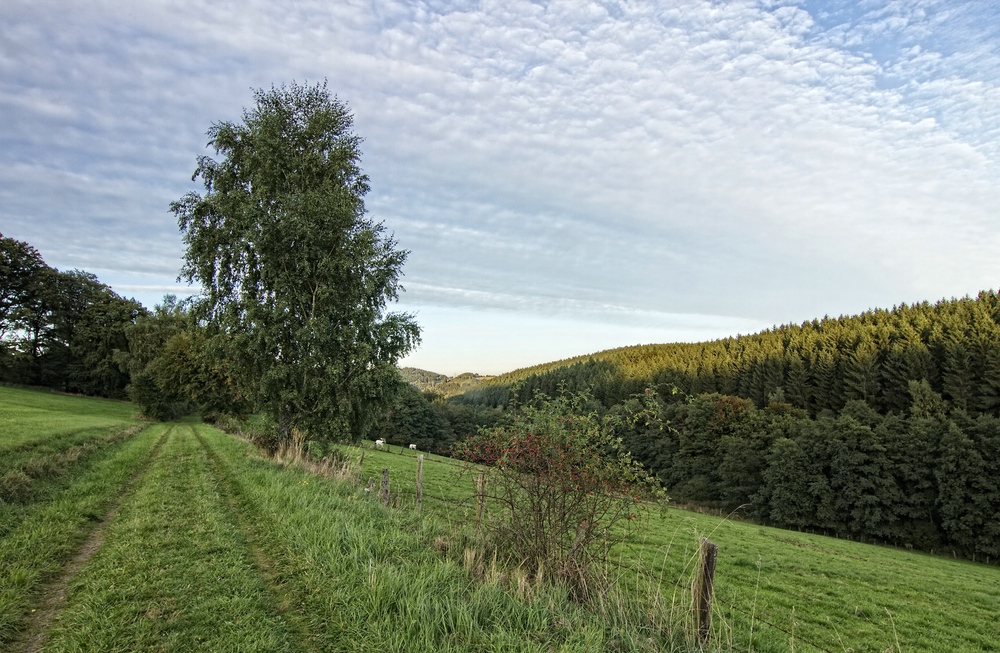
pixel 361 464
pixel 420 481
pixel 385 485
pixel 701 588
pixel 480 499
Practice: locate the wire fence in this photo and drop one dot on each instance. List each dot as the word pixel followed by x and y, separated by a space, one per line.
pixel 460 513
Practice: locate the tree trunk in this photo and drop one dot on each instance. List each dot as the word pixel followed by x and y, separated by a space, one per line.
pixel 285 425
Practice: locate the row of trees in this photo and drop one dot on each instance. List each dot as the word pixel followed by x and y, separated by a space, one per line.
pixel 883 426
pixel 818 366
pixel 70 332
pixel 64 330
pixel 929 479
pixel 429 421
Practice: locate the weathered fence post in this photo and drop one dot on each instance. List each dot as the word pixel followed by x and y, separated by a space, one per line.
pixel 420 481
pixel 480 498
pixel 701 589
pixel 361 464
pixel 385 485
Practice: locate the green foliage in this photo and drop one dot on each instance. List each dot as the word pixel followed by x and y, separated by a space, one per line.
pixel 411 419
pixel 176 369
pixel 559 483
pixel 927 480
pixel 817 366
pixel 427 420
pixel 296 277
pixel 60 329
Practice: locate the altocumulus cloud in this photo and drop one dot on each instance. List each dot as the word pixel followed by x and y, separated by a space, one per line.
pixel 633 171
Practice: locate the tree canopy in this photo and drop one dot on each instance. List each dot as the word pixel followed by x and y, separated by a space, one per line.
pixel 65 330
pixel 295 275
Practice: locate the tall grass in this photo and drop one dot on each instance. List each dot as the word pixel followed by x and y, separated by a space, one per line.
pixel 775 589
pixel 370 579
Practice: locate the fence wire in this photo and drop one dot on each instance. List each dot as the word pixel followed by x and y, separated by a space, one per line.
pixel 468 504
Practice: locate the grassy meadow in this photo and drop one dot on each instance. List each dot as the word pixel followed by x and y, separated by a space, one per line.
pixel 776 590
pixel 178 537
pixel 29 416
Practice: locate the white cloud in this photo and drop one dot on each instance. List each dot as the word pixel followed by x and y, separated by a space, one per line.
pixel 762 161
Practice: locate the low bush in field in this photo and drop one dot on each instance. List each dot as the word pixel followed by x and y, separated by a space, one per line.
pixel 558 484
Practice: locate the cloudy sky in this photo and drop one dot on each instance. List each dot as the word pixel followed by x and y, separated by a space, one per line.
pixel 568 176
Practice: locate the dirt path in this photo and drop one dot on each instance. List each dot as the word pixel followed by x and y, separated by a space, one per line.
pixel 53 595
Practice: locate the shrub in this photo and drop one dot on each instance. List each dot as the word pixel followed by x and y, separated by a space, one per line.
pixel 559 487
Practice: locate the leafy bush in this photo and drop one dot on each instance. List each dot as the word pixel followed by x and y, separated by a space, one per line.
pixel 559 487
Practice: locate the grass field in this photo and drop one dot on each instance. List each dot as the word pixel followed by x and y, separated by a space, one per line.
pixel 180 538
pixel 776 590
pixel 31 416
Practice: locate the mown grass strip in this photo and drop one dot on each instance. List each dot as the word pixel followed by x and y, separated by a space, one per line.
pixel 282 592
pixel 174 574
pixel 48 535
pixel 366 578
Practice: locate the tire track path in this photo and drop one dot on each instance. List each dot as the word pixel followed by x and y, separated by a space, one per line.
pixel 285 599
pixel 175 572
pixel 53 596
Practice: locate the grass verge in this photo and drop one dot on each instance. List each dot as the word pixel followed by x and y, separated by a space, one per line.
pixel 366 578
pixel 776 590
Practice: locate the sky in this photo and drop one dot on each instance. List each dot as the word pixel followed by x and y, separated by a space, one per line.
pixel 568 177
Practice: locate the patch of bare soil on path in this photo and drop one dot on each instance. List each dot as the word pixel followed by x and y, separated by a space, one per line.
pixel 53 596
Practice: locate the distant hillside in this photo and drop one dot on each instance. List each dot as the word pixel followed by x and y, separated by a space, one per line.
pixel 422 379
pixel 820 365
pixel 440 383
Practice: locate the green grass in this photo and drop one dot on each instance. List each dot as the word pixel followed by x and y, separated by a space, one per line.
pixel 175 573
pixel 215 548
pixel 366 578
pixel 30 416
pixel 834 593
pixel 49 532
pixel 47 441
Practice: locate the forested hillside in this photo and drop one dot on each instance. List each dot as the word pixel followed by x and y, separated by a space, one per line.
pixel 421 379
pixel 440 384
pixel 818 366
pixel 881 427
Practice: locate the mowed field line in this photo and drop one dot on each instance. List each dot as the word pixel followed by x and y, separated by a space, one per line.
pixel 53 597
pixel 49 533
pixel 175 572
